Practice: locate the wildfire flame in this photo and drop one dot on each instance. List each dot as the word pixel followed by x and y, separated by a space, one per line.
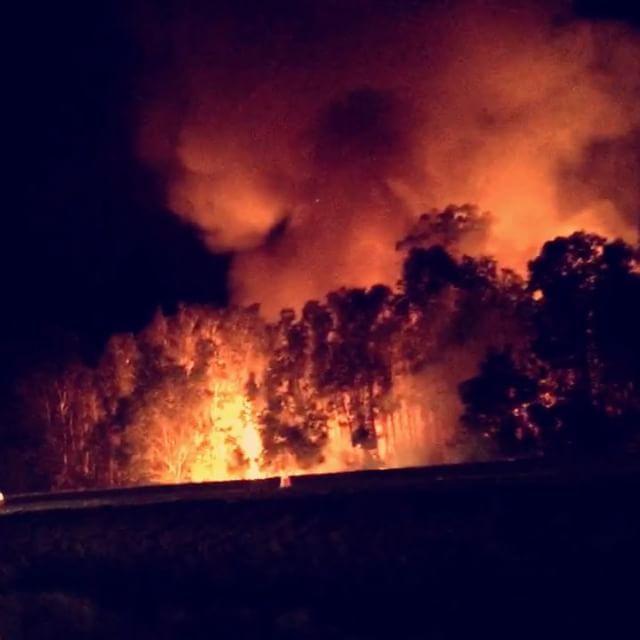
pixel 366 379
pixel 460 103
pixel 221 435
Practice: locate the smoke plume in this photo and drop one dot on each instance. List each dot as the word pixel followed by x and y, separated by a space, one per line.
pixel 308 138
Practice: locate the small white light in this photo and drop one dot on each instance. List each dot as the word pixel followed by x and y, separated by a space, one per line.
pixel 1 498
pixel 285 482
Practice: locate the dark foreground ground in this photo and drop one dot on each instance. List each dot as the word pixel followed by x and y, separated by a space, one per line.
pixel 514 550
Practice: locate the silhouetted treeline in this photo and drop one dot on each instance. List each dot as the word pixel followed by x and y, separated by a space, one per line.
pixel 574 385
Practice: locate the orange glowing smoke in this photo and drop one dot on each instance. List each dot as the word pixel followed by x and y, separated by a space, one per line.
pixel 313 147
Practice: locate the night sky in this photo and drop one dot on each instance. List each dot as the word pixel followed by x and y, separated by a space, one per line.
pixel 88 249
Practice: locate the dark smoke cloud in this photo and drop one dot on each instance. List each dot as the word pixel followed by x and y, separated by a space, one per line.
pixel 608 169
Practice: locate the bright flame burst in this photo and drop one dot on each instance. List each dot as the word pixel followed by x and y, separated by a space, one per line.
pixel 205 418
pixel 226 443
